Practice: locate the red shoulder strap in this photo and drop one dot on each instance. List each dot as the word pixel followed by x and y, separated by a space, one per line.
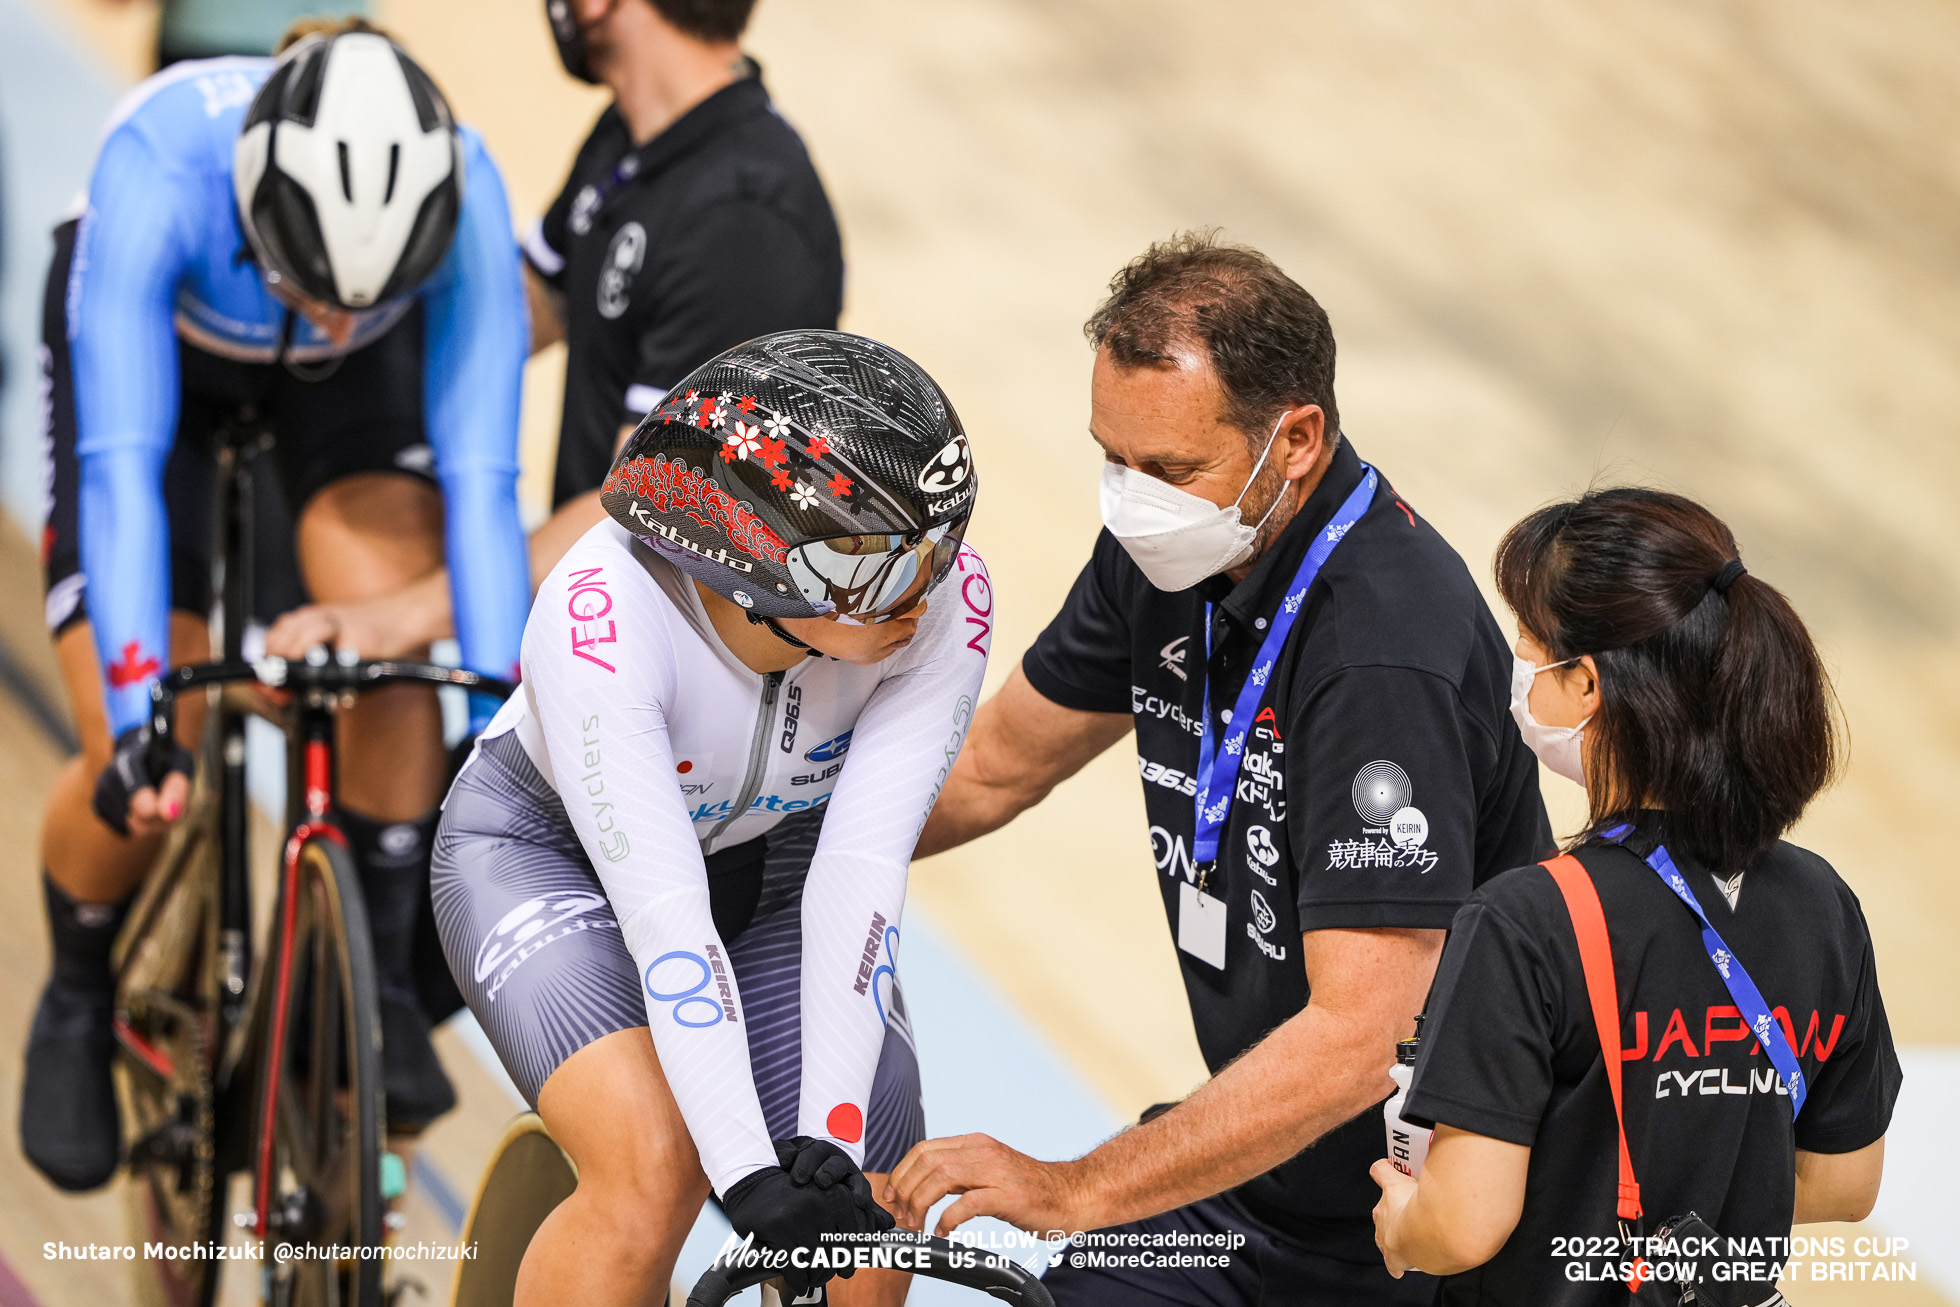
pixel 1596 957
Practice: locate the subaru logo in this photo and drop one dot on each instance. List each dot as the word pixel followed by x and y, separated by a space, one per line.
pixel 829 749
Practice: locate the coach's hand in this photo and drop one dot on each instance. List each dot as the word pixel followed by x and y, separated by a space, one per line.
pixel 137 796
pixel 992 1180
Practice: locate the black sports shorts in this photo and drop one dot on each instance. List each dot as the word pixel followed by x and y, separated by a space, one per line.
pixel 362 415
pixel 508 867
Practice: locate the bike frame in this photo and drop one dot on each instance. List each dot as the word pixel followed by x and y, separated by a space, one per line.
pixel 250 1022
pixel 318 687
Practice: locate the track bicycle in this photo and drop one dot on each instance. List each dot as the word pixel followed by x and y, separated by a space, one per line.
pixel 245 1052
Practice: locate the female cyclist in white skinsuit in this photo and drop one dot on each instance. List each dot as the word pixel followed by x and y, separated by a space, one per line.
pixel 696 815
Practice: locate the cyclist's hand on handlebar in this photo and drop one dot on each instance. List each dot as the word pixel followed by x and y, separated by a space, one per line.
pixel 144 788
pixel 817 1191
pixel 823 1164
pixel 388 626
pixel 992 1179
pixel 304 629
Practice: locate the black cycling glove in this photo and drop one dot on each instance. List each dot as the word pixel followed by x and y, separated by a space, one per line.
pixel 131 768
pixel 817 1190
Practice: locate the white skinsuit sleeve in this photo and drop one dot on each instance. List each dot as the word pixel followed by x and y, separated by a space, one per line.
pixel 598 663
pixel 901 750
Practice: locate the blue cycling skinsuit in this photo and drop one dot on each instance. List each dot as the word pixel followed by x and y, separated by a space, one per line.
pixel 159 260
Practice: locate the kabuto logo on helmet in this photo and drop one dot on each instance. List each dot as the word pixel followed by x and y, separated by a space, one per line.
pixel 834 467
pixel 674 487
pixel 949 468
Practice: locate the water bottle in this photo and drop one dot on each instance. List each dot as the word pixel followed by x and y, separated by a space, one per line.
pixel 1408 1145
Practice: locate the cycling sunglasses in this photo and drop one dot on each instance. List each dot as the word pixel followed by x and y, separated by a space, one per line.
pixel 873 578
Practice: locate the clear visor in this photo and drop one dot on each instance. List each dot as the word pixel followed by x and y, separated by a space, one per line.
pixel 874 578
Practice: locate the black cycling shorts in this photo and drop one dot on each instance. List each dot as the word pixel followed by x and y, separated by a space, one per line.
pixel 363 414
pixel 508 867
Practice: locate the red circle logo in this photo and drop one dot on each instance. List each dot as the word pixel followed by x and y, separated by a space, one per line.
pixel 845 1122
pixel 685 767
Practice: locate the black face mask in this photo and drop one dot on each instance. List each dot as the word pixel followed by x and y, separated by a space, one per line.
pixel 570 40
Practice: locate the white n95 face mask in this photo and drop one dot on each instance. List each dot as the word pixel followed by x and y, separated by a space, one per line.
pixel 1177 538
pixel 1556 746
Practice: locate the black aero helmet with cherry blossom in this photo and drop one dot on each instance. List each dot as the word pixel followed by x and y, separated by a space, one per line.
pixel 801 474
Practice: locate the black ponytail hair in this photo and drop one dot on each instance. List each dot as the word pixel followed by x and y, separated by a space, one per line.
pixel 1714 704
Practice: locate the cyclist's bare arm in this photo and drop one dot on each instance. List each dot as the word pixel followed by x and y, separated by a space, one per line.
pixel 1023 744
pixel 416 616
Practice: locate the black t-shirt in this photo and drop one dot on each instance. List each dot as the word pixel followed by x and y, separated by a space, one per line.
pixel 1510 1052
pixel 723 234
pixel 1390 701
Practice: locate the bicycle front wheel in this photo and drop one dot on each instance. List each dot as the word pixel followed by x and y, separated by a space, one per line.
pixel 316 1178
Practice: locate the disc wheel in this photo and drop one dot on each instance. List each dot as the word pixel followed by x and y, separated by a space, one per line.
pixel 166 1041
pixel 317 1173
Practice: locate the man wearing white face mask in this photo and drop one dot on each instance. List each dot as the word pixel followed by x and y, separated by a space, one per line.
pixel 1319 696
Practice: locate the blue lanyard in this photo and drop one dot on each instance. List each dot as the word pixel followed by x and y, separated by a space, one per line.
pixel 1748 999
pixel 1218 762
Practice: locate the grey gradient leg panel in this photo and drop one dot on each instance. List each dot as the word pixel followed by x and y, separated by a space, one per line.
pixel 525 924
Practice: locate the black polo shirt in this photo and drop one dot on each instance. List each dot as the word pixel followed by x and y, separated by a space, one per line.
pixel 1510 1052
pixel 722 234
pixel 1384 778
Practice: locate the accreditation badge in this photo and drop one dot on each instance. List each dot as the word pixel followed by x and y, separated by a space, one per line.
pixel 1201 924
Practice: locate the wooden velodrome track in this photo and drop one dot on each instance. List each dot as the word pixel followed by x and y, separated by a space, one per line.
pixel 1708 247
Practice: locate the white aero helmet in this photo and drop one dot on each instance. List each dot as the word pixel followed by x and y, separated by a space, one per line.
pixel 348 171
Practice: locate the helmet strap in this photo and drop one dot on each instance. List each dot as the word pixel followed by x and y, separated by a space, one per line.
pixel 782 635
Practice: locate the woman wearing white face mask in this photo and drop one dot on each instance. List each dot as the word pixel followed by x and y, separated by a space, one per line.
pixel 1558 743
pixel 1748 1073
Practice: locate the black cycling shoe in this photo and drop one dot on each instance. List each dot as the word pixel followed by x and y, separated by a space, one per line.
pixel 69 1126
